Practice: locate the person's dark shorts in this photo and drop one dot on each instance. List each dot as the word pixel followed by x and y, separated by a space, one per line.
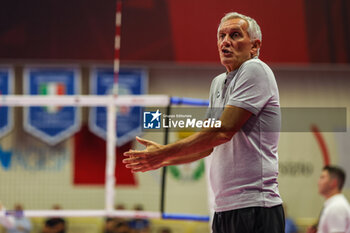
pixel 250 220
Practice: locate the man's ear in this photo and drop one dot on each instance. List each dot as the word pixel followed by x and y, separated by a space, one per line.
pixel 334 183
pixel 256 44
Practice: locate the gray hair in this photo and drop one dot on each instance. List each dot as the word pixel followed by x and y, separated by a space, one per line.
pixel 253 30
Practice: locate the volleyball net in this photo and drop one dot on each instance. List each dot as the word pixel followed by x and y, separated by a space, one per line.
pixel 40 187
pixel 41 174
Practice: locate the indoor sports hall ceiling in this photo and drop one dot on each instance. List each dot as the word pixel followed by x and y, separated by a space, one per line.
pixel 298 31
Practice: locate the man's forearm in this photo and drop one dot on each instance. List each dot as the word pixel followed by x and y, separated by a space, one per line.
pixel 232 119
pixel 196 144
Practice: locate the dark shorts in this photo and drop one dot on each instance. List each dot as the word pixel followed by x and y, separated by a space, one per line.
pixel 250 220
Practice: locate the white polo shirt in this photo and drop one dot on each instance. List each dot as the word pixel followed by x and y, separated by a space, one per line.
pixel 244 170
pixel 335 216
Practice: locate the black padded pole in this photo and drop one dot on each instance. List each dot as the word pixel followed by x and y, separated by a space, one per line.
pixel 166 140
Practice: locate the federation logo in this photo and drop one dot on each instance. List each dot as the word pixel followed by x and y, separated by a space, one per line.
pixel 52 88
pixel 151 120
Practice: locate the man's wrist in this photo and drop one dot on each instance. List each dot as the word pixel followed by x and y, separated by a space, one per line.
pixel 169 151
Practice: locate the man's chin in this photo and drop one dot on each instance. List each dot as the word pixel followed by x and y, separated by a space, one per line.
pixel 322 193
pixel 227 62
pixel 230 66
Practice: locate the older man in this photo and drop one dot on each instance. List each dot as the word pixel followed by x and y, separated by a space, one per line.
pixel 244 165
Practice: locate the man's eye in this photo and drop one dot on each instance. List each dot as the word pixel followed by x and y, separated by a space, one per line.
pixel 235 35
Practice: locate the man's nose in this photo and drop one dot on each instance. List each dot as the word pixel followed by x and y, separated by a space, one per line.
pixel 226 41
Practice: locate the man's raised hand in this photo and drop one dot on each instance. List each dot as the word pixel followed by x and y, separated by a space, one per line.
pixel 150 158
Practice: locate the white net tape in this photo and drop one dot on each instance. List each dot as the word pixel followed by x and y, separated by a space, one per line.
pixel 92 213
pixel 85 100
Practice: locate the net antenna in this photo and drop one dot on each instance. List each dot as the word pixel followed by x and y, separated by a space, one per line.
pixel 111 116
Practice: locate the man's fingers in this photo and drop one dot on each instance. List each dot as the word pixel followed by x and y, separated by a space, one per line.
pixel 133 165
pixel 135 159
pixel 140 165
pixel 140 169
pixel 143 141
pixel 142 161
pixel 133 153
pixel 158 166
pixel 129 160
pixel 145 168
pixel 136 170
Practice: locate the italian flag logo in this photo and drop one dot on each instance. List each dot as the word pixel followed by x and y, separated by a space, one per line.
pixel 52 88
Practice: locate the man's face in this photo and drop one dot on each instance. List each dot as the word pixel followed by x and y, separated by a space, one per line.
pixel 234 44
pixel 324 183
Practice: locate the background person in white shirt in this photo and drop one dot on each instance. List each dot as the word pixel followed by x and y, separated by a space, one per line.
pixel 335 215
pixel 6 221
pixel 22 224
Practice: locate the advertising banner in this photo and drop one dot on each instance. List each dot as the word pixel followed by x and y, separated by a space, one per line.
pixel 132 81
pixel 6 88
pixel 51 124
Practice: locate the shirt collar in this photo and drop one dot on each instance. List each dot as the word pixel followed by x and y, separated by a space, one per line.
pixel 332 198
pixel 230 75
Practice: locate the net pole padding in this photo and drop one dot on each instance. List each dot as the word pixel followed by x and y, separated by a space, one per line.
pixel 111 156
pixel 84 100
pixel 112 117
pixel 164 169
pixel 111 139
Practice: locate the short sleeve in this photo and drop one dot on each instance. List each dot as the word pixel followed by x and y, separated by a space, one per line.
pixel 208 113
pixel 251 89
